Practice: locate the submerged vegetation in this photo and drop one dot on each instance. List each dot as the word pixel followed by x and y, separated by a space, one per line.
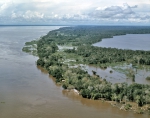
pixel 148 78
pixel 31 47
pixel 62 64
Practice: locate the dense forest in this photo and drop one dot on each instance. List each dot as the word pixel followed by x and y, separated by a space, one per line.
pixel 80 35
pixel 81 39
pixel 99 55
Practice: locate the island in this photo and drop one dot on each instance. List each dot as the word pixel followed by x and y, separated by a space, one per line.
pixel 64 51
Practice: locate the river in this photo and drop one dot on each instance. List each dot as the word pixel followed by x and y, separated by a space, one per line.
pixel 129 41
pixel 27 91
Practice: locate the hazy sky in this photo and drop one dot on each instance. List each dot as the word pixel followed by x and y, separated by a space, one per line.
pixel 76 12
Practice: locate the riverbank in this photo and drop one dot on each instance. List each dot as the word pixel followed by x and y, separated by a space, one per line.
pixel 128 106
pixel 89 86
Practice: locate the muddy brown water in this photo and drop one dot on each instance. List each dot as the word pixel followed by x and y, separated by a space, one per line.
pixel 27 91
pixel 119 77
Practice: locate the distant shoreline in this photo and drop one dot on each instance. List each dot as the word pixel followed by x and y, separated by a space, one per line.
pixel 85 25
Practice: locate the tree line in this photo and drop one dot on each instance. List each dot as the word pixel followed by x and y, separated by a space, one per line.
pixel 92 86
pixel 101 55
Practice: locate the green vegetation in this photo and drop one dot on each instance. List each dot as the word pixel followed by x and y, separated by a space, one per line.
pixel 61 64
pixel 127 106
pixel 98 55
pixel 31 47
pixel 139 111
pixel 148 78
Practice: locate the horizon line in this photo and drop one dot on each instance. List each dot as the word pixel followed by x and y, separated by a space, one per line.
pixel 74 25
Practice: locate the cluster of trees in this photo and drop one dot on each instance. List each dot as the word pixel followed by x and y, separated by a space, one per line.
pixel 46 47
pixel 93 87
pixel 99 55
pixel 80 35
pixel 30 47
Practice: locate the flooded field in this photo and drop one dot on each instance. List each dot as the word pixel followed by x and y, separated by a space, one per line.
pixel 119 73
pixel 129 41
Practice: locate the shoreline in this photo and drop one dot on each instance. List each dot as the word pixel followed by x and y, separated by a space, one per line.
pixel 121 106
pixel 133 108
pixel 58 70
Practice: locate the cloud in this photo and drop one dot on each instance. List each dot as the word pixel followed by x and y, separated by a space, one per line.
pixel 4 8
pixel 30 14
pixel 112 11
pixel 118 14
pixel 72 12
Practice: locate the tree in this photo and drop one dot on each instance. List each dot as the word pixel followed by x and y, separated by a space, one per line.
pixel 94 72
pixel 138 100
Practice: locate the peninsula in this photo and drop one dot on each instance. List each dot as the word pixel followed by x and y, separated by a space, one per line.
pixel 62 52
